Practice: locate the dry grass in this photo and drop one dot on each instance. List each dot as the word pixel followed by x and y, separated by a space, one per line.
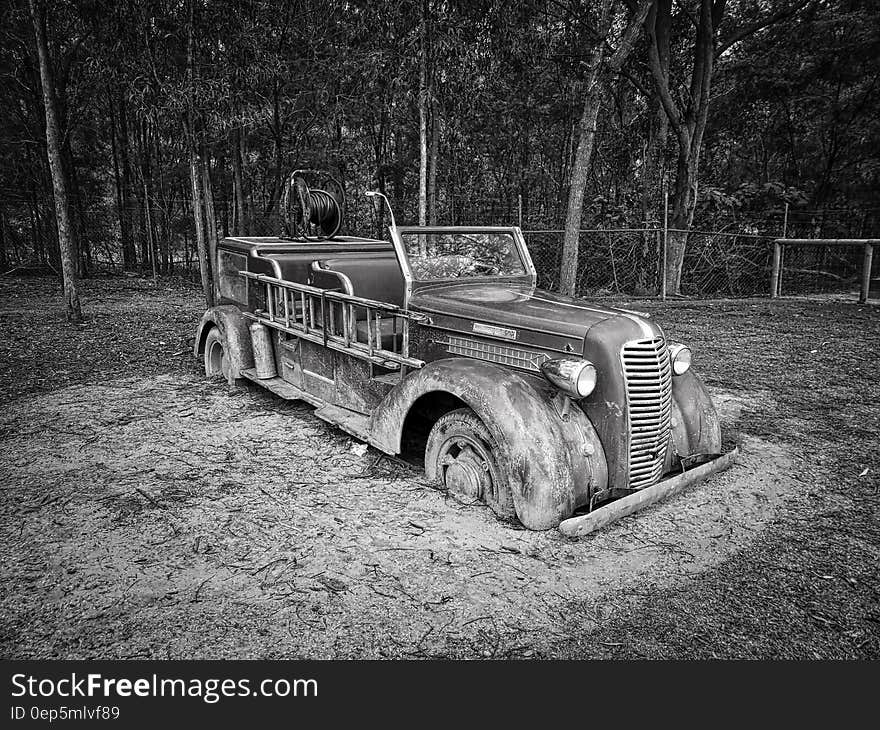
pixel 146 513
pixel 808 586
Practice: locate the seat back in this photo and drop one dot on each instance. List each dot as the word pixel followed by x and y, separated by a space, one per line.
pixel 372 275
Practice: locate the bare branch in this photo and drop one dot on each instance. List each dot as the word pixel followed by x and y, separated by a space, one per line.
pixel 629 36
pixel 742 33
pixel 662 83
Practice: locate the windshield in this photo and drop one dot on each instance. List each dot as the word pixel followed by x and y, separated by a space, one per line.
pixel 461 255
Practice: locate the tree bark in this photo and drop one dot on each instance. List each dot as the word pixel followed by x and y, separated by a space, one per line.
pixel 73 311
pixel 577 186
pixel 127 231
pixel 653 173
pixel 210 219
pixel 142 153
pixel 148 224
pixel 423 115
pixel 240 227
pixel 435 154
pixel 195 174
pixel 687 123
pixel 205 268
pixel 117 178
pixel 4 258
pixel 587 133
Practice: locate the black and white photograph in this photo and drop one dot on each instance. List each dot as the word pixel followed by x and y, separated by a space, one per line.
pixel 437 330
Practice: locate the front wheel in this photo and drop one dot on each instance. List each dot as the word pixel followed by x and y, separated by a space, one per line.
pixel 216 360
pixel 462 456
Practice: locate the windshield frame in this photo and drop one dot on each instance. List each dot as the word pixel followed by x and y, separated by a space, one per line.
pixel 413 284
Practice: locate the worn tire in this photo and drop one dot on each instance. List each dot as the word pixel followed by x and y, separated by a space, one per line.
pixel 216 361
pixel 461 456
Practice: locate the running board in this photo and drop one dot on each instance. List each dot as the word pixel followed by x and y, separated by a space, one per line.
pixel 356 424
pixel 352 422
pixel 592 521
pixel 279 386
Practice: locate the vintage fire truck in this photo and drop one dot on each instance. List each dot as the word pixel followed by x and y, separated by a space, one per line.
pixel 438 343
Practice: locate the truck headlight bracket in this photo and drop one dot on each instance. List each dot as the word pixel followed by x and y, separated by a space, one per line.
pixel 575 377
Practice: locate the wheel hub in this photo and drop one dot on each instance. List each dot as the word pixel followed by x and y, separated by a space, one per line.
pixel 467 473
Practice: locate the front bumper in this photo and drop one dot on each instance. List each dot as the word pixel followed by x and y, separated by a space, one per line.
pixel 592 521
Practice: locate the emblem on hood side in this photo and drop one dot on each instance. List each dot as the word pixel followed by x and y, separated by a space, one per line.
pixel 488 329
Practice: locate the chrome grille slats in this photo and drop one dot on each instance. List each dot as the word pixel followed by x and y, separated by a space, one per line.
pixel 505 354
pixel 648 374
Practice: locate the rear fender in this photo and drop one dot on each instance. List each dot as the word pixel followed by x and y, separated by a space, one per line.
pixel 234 328
pixel 552 459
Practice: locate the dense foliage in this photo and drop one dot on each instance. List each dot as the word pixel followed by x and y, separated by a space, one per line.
pixel 163 102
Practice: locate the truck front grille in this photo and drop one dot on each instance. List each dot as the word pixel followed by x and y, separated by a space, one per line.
pixel 517 357
pixel 649 401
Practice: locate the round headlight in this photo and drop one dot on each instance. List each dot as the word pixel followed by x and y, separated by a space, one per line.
pixel 586 380
pixel 680 355
pixel 577 378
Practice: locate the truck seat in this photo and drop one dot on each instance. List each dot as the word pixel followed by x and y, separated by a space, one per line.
pixel 372 276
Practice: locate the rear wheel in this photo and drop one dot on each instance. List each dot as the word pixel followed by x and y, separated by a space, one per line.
pixel 216 361
pixel 462 456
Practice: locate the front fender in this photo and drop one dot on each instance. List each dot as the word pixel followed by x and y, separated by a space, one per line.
pixel 696 429
pixel 552 462
pixel 234 328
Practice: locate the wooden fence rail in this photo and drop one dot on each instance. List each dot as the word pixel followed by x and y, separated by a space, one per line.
pixel 867 259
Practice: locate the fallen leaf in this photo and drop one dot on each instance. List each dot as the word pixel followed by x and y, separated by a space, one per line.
pixel 358 449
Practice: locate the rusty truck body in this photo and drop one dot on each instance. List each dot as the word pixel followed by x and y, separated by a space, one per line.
pixel 552 410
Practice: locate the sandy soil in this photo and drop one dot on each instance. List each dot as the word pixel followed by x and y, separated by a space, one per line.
pixel 171 517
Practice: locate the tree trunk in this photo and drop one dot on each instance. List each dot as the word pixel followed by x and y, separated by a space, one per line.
pixel 148 223
pixel 143 163
pixel 423 115
pixel 78 218
pixel 435 154
pixel 164 235
pixel 206 264
pixel 117 176
pixel 587 132
pixel 278 149
pixel 688 124
pixel 4 258
pixel 653 173
pixel 36 235
pixel 683 204
pixel 210 218
pixel 131 241
pixel 73 311
pixel 205 268
pixel 577 187
pixel 240 227
pixel 126 231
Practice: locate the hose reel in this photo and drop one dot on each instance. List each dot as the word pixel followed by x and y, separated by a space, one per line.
pixel 313 214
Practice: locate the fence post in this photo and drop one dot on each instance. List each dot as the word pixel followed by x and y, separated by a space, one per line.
pixel 519 209
pixel 777 269
pixel 665 243
pixel 778 252
pixel 866 273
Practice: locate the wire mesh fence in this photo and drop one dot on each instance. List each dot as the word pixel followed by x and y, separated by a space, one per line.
pixel 726 256
pixel 628 262
pixel 610 261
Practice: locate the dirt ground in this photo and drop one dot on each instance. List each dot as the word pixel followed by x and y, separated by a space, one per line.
pixel 149 513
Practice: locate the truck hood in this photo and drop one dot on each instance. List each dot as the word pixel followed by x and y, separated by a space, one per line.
pixel 511 316
pixel 522 307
